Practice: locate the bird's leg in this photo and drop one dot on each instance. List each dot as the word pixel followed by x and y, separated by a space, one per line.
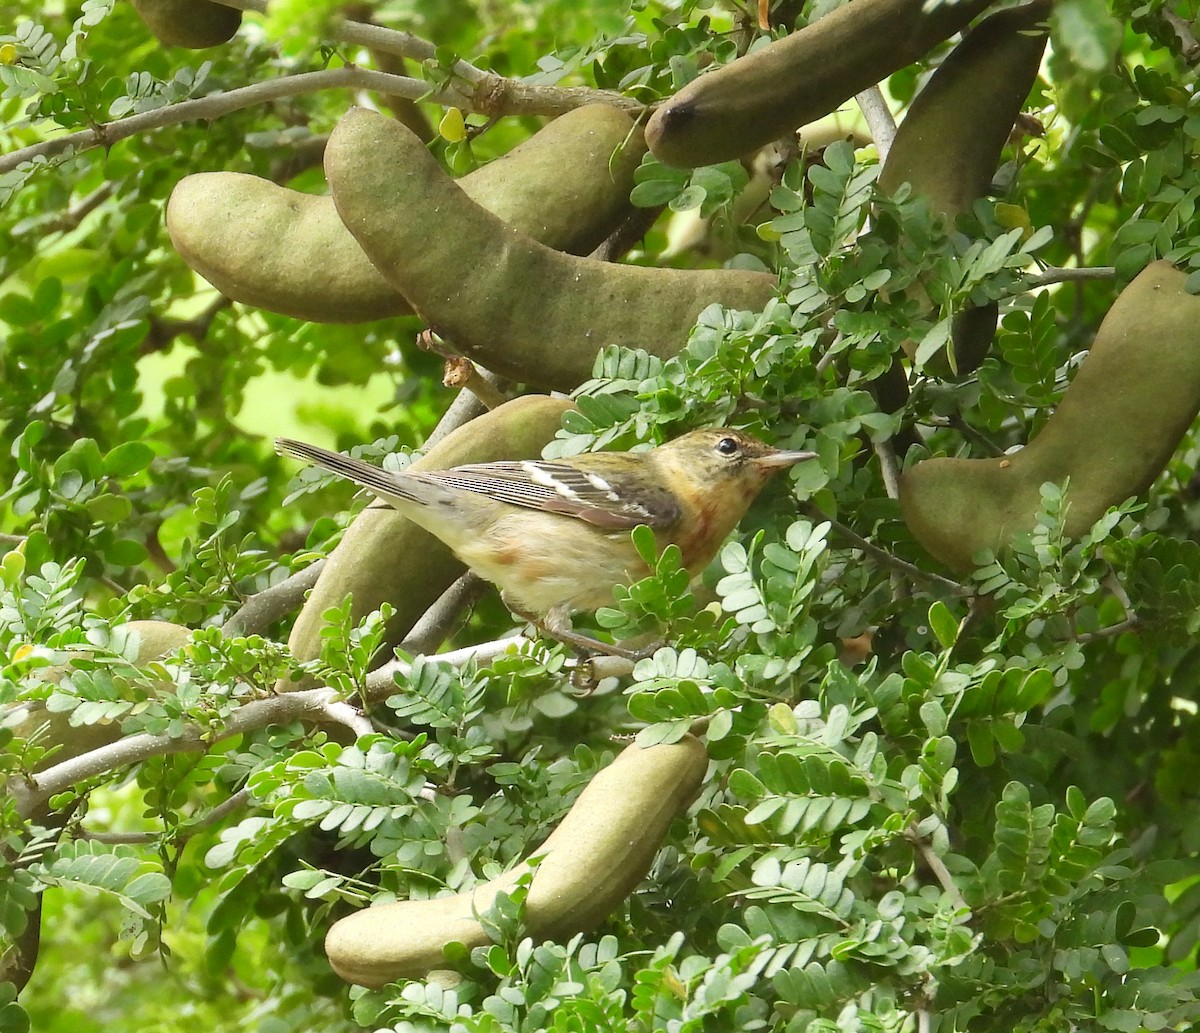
pixel 590 645
pixel 558 626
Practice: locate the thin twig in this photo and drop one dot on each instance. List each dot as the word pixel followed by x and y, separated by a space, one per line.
pixel 1130 624
pixel 187 830
pixel 401 44
pixel 461 373
pixel 460 412
pixel 885 557
pixel 164 331
pixel 119 838
pixel 74 215
pixel 373 37
pixel 480 91
pixel 1189 49
pixel 1057 274
pixel 304 705
pixel 433 627
pixel 1113 584
pixel 264 608
pixel 342 713
pixel 282 709
pixel 888 467
pixel 217 104
pixel 936 865
pixel 879 120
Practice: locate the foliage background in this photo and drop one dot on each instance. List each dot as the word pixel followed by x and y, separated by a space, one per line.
pixel 990 823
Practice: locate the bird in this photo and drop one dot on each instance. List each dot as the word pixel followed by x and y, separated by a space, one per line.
pixel 554 535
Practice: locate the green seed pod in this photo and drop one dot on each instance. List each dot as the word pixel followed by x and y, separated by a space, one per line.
pixel 195 24
pixel 285 251
pixel 600 851
pixel 1121 419
pixel 950 141
pixel 384 557
pixel 771 91
pixel 517 306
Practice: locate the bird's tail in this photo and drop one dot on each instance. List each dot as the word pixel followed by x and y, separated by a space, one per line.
pixel 378 480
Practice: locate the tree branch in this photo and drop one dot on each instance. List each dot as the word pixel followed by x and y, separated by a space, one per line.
pixel 74 215
pixel 1189 49
pixel 1129 624
pixel 373 37
pixel 164 331
pixel 939 869
pixel 488 93
pixel 197 738
pixel 264 608
pixel 459 412
pixel 1056 274
pixel 218 813
pixel 381 681
pixel 431 630
pixel 217 104
pixel 885 557
pixel 889 468
pixel 879 120
pixel 32 792
pixel 321 704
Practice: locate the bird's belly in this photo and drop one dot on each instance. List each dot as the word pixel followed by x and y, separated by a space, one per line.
pixel 545 561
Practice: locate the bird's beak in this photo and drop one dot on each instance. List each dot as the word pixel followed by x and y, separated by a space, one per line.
pixel 781 458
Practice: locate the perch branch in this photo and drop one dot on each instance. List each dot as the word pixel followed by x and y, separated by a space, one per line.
pixel 163 331
pixel 477 90
pixel 1189 49
pixel 382 680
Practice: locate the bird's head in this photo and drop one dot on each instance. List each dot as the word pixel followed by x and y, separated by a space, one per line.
pixel 721 456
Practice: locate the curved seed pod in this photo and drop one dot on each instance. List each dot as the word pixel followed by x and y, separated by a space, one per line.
pixel 949 144
pixel 385 558
pixel 590 863
pixel 1122 417
pixel 769 92
pixel 154 640
pixel 518 307
pixel 285 251
pixel 195 24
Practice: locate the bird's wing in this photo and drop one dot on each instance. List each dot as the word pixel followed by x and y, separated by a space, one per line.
pixel 559 488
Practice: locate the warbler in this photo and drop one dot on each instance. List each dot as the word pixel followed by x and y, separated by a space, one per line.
pixel 554 536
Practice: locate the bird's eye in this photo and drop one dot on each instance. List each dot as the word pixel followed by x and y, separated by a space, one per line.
pixel 728 446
